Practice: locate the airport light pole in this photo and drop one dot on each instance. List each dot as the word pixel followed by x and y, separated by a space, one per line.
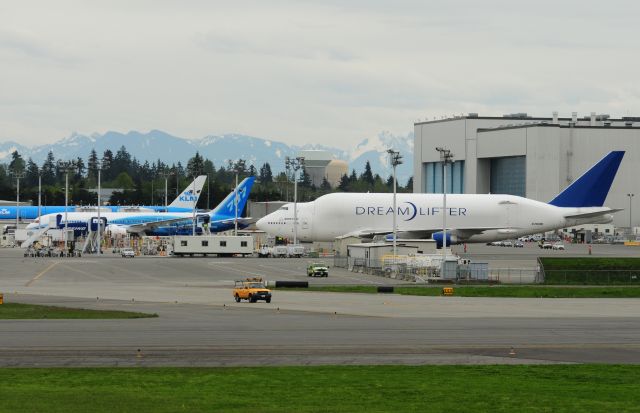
pixel 295 164
pixel 396 159
pixel 630 225
pixel 39 192
pixel 18 175
pixel 166 175
pixel 67 166
pixel 239 167
pixel 193 197
pixel 446 157
pixel 99 246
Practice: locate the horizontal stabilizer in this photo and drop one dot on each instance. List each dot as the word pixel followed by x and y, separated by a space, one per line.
pixel 591 189
pixel 593 214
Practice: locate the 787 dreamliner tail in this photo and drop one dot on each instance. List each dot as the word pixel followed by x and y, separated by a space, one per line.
pixel 470 217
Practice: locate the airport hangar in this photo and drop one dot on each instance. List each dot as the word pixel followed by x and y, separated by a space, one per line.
pixel 533 157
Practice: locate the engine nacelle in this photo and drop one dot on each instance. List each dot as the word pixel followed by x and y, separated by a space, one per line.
pixel 452 239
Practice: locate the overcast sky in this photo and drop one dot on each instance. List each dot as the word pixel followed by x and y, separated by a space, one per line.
pixel 330 72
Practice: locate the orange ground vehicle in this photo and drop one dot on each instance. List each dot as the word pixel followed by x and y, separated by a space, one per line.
pixel 251 289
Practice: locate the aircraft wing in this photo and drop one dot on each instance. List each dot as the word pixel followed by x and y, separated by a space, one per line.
pixel 148 226
pixel 417 233
pixel 229 221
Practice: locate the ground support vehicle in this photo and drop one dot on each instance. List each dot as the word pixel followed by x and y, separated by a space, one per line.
pixel 127 253
pixel 220 245
pixel 252 290
pixel 317 270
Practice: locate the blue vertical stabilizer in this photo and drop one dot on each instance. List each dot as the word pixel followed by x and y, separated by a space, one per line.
pixel 226 208
pixel 591 189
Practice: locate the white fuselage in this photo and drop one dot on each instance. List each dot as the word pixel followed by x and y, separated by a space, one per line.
pixel 470 218
pixel 113 218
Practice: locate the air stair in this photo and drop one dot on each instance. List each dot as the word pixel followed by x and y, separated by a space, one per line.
pixel 92 241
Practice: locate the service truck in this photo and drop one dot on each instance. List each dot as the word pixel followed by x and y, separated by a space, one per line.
pixel 220 245
pixel 252 290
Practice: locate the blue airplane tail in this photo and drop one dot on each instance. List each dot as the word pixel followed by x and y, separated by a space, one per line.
pixel 591 189
pixel 226 208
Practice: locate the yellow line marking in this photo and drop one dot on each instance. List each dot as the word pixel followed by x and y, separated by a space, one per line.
pixel 43 272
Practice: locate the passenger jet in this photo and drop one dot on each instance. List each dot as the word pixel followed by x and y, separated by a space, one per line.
pixel 219 219
pixel 469 217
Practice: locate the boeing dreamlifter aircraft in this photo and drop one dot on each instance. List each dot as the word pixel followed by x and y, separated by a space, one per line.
pixel 219 219
pixel 183 203
pixel 470 218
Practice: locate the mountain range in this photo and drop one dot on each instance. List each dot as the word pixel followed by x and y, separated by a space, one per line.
pixel 219 149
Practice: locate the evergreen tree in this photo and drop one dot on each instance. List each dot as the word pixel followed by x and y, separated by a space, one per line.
pixel 305 179
pixel 31 178
pixel 122 161
pixel 92 165
pixel 325 186
pixel 266 176
pixel 80 169
pixel 252 170
pixel 209 168
pixel 195 165
pixel 107 165
pixel 353 179
pixel 390 182
pixel 17 164
pixel 344 183
pixel 49 170
pixel 367 175
pixel 409 186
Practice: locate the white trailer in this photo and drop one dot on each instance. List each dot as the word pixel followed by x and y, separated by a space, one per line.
pixel 221 245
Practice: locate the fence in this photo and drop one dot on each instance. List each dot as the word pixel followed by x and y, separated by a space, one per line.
pixel 597 277
pixel 416 270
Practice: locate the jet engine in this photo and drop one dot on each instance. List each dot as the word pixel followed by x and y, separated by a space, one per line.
pixel 452 238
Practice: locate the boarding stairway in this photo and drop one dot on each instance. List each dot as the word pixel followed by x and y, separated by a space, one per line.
pixel 34 237
pixel 92 240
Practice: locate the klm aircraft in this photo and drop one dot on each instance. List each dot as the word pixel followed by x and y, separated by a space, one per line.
pixel 222 218
pixel 183 203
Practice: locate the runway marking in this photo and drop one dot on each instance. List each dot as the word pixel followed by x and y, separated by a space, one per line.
pixel 43 272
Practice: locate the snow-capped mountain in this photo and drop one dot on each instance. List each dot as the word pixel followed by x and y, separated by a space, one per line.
pixel 170 149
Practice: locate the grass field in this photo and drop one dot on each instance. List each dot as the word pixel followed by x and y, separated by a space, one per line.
pixel 526 291
pixel 591 270
pixel 555 388
pixel 15 311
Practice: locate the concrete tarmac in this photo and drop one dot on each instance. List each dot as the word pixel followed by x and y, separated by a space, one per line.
pixel 200 325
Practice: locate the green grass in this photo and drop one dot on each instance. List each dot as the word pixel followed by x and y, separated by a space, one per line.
pixel 528 291
pixel 591 270
pixel 15 311
pixel 590 263
pixel 555 388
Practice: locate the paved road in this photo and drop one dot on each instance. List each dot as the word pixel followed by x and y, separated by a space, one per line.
pixel 200 325
pixel 187 334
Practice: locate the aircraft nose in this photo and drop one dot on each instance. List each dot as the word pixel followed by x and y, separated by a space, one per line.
pixel 262 224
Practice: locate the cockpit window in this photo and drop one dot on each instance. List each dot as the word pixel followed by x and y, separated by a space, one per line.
pixel 284 208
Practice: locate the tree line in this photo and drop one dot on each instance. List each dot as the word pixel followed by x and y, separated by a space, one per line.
pixel 144 183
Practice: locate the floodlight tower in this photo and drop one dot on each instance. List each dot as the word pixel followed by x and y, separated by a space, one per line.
pixel 239 167
pixel 18 174
pixel 396 159
pixel 295 164
pixel 66 166
pixel 446 157
pixel 166 174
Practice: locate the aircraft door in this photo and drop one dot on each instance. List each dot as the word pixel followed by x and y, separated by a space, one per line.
pixel 510 211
